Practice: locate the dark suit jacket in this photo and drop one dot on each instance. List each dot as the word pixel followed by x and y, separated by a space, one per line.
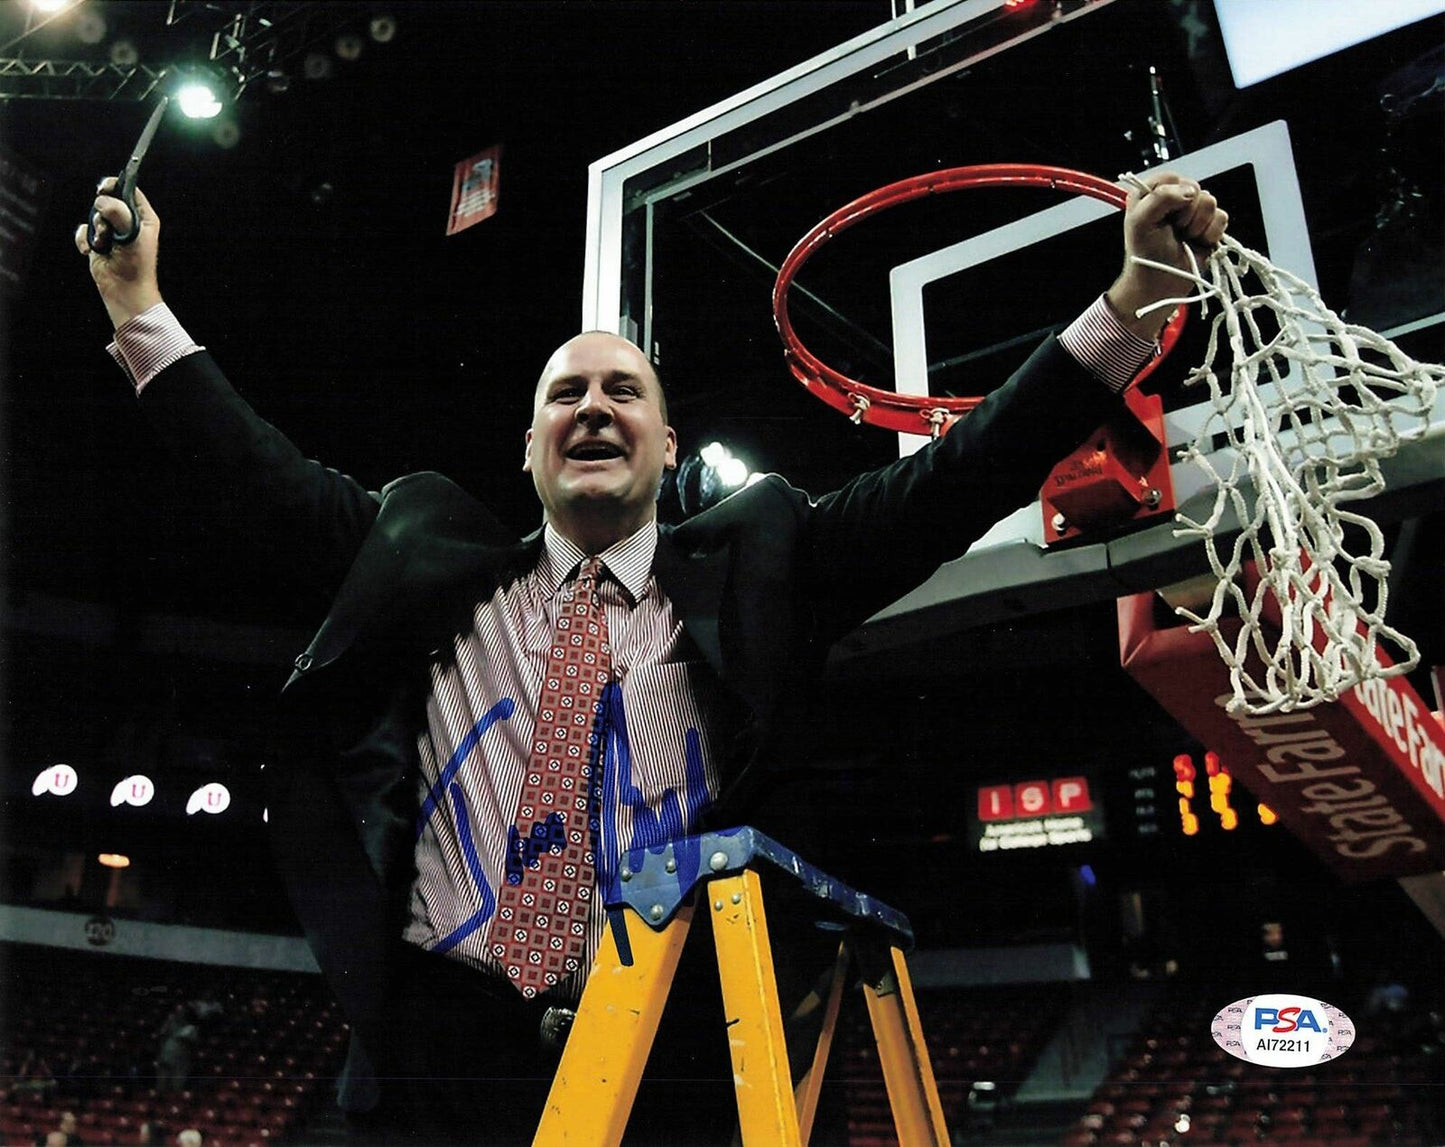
pixel 763 583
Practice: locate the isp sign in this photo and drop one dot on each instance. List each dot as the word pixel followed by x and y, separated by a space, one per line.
pixel 1283 1030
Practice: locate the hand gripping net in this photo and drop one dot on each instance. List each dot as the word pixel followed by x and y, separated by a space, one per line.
pixel 1308 445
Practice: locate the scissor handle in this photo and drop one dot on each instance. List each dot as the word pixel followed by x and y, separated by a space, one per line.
pixel 101 241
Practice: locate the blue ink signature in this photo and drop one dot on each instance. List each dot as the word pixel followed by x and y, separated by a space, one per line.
pixel 501 711
pixel 650 830
pixel 611 756
pixel 488 903
pixel 526 852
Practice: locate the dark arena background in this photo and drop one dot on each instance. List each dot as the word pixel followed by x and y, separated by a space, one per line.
pixel 1066 973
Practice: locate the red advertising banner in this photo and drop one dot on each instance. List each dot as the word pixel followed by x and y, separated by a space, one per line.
pixel 1360 781
pixel 474 189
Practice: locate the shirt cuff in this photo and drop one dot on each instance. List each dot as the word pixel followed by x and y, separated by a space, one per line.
pixel 148 343
pixel 1105 347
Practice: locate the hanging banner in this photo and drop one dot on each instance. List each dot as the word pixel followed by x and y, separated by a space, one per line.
pixel 1360 781
pixel 474 189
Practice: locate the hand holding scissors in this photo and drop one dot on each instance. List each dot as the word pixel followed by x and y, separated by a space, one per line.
pixel 120 239
pixel 99 233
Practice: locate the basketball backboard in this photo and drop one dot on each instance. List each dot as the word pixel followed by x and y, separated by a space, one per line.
pixel 687 227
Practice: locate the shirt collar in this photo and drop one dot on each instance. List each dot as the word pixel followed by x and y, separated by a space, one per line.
pixel 628 561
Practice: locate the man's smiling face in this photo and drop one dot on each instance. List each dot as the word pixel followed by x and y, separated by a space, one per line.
pixel 599 440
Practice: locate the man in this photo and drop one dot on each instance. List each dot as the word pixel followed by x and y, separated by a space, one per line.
pixel 68 1128
pixel 432 703
pixel 178 1037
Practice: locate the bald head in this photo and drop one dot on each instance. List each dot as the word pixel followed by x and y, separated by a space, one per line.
pixel 618 345
pixel 599 440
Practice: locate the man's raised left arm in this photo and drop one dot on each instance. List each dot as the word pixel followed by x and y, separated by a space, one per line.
pixel 888 530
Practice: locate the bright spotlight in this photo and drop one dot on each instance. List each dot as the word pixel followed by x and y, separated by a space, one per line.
pixel 732 472
pixel 51 5
pixel 198 100
pixel 114 860
pixel 707 477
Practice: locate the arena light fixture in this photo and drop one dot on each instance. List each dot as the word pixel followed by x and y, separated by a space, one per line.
pixel 114 860
pixel 383 28
pixel 124 54
pixel 707 477
pixel 52 5
pixel 202 90
pixel 349 46
pixel 198 99
pixel 731 470
pixel 317 66
pixel 90 27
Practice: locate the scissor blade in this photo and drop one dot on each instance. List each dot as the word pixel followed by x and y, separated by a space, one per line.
pixel 152 125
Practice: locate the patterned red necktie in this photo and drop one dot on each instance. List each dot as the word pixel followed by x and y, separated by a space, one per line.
pixel 545 898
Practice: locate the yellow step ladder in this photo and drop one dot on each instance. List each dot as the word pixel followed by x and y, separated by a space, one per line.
pixel 654 899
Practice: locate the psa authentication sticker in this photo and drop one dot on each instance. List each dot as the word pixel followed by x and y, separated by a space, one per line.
pixel 1283 1030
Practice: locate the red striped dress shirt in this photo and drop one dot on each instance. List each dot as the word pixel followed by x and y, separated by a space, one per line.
pixel 657 777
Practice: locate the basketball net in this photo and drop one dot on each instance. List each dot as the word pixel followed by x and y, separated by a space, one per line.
pixel 1306 416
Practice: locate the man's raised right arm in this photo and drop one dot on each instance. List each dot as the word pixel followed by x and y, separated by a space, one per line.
pixel 314 516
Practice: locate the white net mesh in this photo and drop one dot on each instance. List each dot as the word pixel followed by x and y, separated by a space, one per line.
pixel 1310 407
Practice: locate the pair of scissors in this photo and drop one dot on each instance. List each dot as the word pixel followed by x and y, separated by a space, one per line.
pixel 98 232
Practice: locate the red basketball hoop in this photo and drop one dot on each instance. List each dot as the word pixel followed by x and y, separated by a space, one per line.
pixel 910 413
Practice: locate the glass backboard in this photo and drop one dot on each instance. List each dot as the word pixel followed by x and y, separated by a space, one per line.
pixel 946 296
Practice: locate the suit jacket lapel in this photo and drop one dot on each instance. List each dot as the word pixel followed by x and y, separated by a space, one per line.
pixel 372 582
pixel 694 583
pixel 430 540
